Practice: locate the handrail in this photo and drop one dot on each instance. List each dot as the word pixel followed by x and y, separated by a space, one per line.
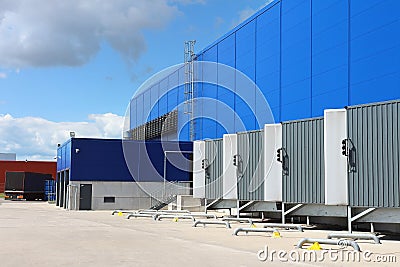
pixel 138 215
pixel 172 216
pixel 258 230
pixel 250 221
pixel 355 236
pixel 204 222
pixel 342 243
pixel 285 226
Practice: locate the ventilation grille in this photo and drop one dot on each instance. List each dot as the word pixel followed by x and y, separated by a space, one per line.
pixel 153 129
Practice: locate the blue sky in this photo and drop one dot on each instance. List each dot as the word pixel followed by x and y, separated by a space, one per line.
pixel 105 82
pixel 74 65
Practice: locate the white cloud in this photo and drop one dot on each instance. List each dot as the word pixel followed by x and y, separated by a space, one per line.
pixel 69 33
pixel 248 12
pixel 35 138
pixel 3 75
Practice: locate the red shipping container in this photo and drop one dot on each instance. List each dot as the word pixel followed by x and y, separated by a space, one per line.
pixel 47 167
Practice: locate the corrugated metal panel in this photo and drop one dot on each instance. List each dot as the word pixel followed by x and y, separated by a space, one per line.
pixel 214 161
pixel 374 131
pixel 251 165
pixel 303 145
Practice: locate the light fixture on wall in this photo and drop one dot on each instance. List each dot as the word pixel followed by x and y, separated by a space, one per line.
pixel 77 150
pixel 72 134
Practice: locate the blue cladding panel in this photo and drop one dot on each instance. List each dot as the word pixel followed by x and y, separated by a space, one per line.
pixel 59 164
pixel 154 101
pixel 226 56
pixel 209 111
pixel 172 99
pixel 133 113
pixel 226 51
pixel 173 79
pixel 209 128
pixel 64 156
pixel 184 131
pixel 268 60
pixel 163 105
pixel 198 106
pixel 296 60
pixel 245 119
pixel 98 160
pixel 329 55
pixel 375 51
pixel 132 158
pixel 146 105
pixel 245 62
pixel 139 110
pixel 246 49
pixel 178 172
pixel 221 128
pixel 103 160
pixel 68 156
pixel 209 107
pixel 305 56
pixel 181 95
pixel 151 164
pixel 225 110
pixel 152 161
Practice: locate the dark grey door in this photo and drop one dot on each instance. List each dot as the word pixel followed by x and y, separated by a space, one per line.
pixel 62 185
pixel 85 200
pixel 58 189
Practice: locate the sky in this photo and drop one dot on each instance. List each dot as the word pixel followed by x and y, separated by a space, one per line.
pixel 74 65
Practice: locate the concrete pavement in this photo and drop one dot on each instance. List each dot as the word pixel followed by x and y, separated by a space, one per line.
pixel 40 234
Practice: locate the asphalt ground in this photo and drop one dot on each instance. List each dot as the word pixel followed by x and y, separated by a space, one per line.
pixel 40 234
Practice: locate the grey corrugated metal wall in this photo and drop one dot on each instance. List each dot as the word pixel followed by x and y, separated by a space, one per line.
pixel 374 131
pixel 303 144
pixel 251 175
pixel 213 156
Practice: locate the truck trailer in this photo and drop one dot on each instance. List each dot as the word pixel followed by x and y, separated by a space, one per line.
pixel 26 185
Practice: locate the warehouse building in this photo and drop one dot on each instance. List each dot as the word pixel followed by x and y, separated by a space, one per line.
pixel 303 56
pixel 289 62
pixel 106 174
pixel 304 59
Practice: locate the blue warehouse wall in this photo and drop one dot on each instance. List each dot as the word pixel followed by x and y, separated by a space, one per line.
pixel 305 56
pixel 329 55
pixel 64 156
pixel 374 51
pixel 104 160
pixel 98 160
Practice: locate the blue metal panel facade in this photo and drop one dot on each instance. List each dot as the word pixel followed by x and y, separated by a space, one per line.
pixel 104 160
pixel 305 56
pixel 64 156
pixel 98 160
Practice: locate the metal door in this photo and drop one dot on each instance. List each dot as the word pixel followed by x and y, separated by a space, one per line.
pixel 213 168
pixel 85 200
pixel 373 155
pixel 61 195
pixel 250 162
pixel 303 161
pixel 58 189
